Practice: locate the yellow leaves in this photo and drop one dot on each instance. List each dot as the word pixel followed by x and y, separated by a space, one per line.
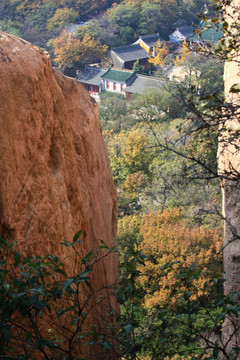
pixel 26 5
pixel 184 52
pixel 161 54
pixel 129 153
pixel 135 147
pixel 107 135
pixel 177 61
pixel 128 225
pixel 129 233
pixel 93 48
pixel 180 258
pixel 168 240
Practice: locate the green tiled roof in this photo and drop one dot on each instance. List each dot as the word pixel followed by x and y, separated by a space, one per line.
pixel 211 34
pixel 117 75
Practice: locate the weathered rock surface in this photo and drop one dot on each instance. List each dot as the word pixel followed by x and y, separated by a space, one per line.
pixel 54 172
pixel 229 167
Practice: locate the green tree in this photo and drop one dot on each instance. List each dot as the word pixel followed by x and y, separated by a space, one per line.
pixel 61 19
pixel 90 7
pixel 136 66
pixel 100 28
pixel 114 114
pixel 39 17
pixel 12 27
pixel 129 153
pixel 151 18
pixel 126 19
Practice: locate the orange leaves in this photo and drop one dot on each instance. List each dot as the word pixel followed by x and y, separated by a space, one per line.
pixel 134 182
pixel 66 50
pixel 70 51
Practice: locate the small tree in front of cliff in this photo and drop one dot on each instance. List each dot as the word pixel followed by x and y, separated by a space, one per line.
pixel 45 311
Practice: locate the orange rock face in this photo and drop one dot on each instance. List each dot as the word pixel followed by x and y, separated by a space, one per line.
pixel 54 172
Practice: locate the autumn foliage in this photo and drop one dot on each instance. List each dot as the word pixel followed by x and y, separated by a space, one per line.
pixel 170 244
pixel 130 154
pixel 61 18
pixel 161 54
pixel 179 259
pixel 184 52
pixel 71 52
pixel 134 182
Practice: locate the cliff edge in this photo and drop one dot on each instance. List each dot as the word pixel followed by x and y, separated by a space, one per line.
pixel 55 177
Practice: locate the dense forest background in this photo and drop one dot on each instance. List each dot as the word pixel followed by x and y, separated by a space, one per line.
pixel 165 172
pixel 163 157
pixel 103 23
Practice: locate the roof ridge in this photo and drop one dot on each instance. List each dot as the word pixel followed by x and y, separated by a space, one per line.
pixel 186 26
pixel 145 36
pixel 150 77
pixel 126 74
pixel 125 70
pixel 124 46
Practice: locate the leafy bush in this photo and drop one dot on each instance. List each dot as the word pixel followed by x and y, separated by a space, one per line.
pixel 44 309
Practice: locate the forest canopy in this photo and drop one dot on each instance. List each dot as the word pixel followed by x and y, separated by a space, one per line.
pixel 111 23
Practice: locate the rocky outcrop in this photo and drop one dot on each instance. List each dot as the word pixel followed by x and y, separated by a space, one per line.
pixel 54 172
pixel 229 169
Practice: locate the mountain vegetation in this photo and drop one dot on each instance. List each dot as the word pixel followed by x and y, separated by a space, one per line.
pixel 162 148
pixel 170 213
pixel 105 23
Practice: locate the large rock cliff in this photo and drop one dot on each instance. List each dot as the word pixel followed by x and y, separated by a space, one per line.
pixel 54 172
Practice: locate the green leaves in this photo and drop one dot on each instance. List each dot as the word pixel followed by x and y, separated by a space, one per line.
pixel 76 237
pixel 66 284
pixel 75 240
pixel 87 257
pixel 62 18
pixel 37 291
pixel 106 345
pixel 128 328
pixel 235 89
pixel 17 259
